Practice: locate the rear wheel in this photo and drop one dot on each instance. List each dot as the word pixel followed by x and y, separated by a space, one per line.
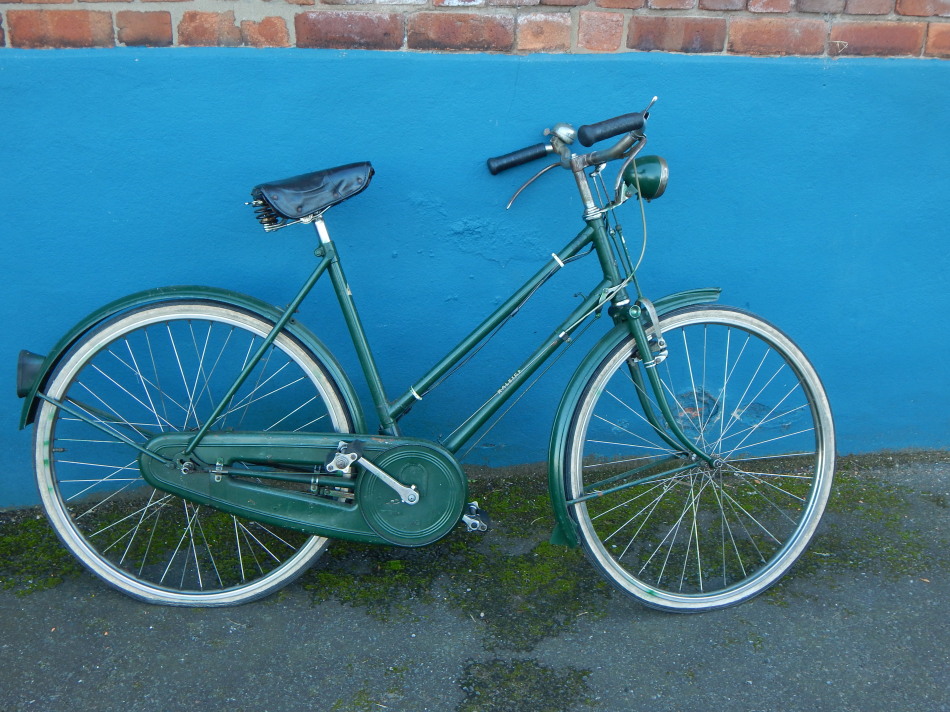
pixel 162 368
pixel 672 530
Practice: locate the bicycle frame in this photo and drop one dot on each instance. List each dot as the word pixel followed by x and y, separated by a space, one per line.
pixel 610 289
pixel 390 412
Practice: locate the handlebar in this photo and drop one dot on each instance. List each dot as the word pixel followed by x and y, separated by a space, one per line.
pixel 519 157
pixel 588 135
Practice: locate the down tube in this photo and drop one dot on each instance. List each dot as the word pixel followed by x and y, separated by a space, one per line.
pixel 467 429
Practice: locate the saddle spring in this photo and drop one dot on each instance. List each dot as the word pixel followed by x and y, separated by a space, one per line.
pixel 264 212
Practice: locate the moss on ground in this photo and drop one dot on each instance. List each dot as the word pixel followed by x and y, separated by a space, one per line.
pixel 522 588
pixel 873 526
pixel 527 597
pixel 31 556
pixel 522 686
pixel 384 582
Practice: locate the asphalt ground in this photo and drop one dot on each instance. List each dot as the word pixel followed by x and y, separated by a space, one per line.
pixel 508 623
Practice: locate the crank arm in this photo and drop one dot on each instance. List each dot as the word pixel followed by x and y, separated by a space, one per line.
pixel 348 454
pixel 407 494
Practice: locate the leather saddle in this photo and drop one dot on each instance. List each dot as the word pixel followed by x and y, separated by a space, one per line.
pixel 311 193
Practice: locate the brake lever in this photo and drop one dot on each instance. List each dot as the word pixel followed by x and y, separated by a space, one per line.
pixel 562 136
pixel 531 180
pixel 619 198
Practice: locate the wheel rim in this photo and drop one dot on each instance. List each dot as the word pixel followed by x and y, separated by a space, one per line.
pixel 696 535
pixel 157 370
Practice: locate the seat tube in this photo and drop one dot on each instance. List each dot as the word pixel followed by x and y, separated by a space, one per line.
pixel 357 333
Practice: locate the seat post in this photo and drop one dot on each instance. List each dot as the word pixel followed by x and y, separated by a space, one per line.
pixel 321 227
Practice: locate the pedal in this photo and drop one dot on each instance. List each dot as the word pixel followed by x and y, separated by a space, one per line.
pixel 476 519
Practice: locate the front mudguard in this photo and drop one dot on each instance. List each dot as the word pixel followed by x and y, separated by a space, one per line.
pixel 565 528
pixel 32 377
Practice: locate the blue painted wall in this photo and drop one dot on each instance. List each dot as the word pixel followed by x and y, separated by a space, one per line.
pixel 815 192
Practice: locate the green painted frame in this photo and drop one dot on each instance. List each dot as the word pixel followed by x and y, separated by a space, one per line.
pixel 611 292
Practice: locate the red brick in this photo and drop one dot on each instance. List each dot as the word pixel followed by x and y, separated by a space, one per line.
pixel 677 34
pixel 775 35
pixel 623 4
pixel 563 3
pixel 269 32
pixel 878 38
pixel 544 32
pixel 32 29
pixel 869 7
pixel 827 7
pixel 144 29
pixel 208 29
pixel 366 2
pixel 600 31
pixel 461 31
pixel 924 8
pixel 37 2
pixel 671 4
pixel 770 5
pixel 938 40
pixel 350 30
pixel 722 4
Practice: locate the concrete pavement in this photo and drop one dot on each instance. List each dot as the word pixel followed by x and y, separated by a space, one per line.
pixel 510 624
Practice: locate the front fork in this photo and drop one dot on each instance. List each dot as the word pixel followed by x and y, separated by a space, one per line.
pixel 667 428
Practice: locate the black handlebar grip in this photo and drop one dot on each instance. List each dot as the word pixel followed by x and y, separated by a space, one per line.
pixel 589 134
pixel 516 158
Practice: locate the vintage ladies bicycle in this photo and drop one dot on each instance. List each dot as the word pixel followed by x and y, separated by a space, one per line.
pixel 199 447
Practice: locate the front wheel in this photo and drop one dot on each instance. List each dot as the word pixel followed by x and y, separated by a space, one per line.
pixel 163 368
pixel 673 530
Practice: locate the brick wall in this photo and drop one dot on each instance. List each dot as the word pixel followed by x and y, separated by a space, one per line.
pixel 832 28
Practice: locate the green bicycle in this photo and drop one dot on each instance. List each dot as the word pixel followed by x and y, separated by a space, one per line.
pixel 199 447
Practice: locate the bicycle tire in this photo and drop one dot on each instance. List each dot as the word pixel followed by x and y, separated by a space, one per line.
pixel 160 368
pixel 680 534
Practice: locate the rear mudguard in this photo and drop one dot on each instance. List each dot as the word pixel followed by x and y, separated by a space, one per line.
pixel 565 529
pixel 41 375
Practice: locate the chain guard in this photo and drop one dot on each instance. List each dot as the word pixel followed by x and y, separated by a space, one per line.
pixel 437 478
pixel 374 514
